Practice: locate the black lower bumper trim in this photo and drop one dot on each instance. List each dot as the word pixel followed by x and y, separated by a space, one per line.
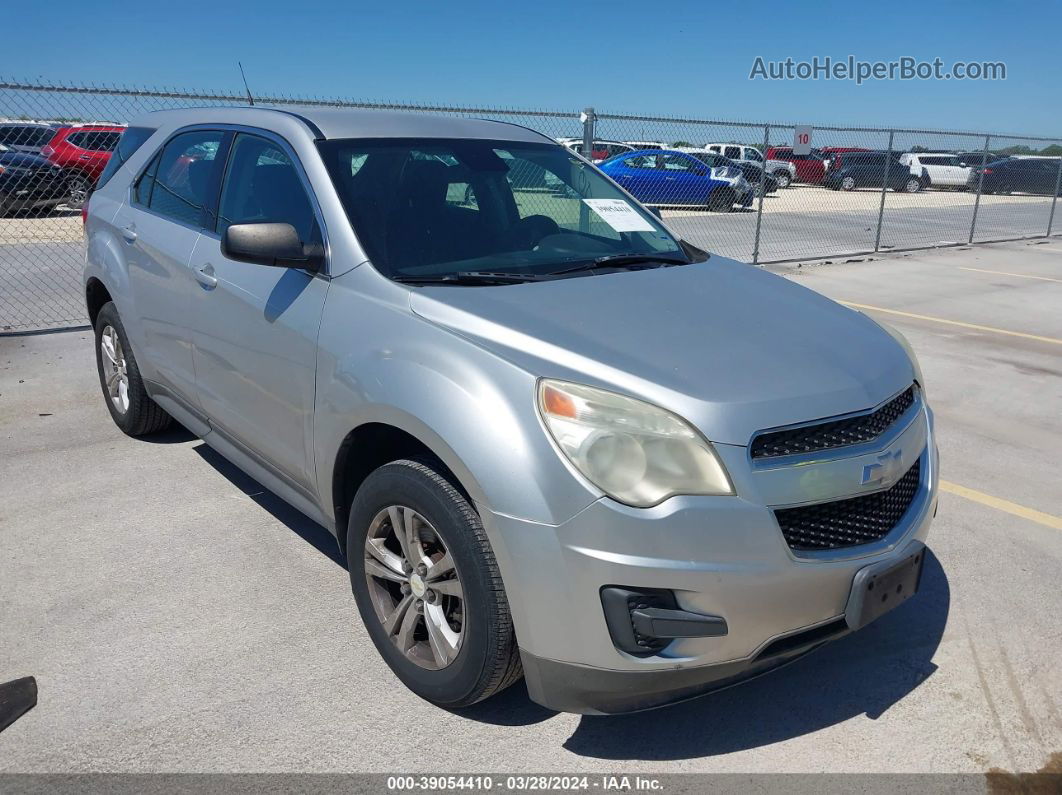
pixel 567 687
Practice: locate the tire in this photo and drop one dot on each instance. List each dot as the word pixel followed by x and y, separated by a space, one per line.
pixel 484 658
pixel 135 413
pixel 783 177
pixel 78 187
pixel 913 185
pixel 721 200
pixel 848 183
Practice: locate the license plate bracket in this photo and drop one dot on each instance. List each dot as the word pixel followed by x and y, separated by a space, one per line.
pixel 882 587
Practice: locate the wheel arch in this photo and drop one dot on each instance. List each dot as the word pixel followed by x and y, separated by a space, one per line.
pixel 96 297
pixel 373 444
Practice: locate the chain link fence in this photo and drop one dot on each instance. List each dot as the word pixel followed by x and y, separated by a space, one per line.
pixel 733 188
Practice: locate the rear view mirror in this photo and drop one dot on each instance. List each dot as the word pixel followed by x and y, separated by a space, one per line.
pixel 275 245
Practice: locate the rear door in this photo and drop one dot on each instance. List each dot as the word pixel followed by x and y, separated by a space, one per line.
pixel 255 326
pixel 685 179
pixel 160 224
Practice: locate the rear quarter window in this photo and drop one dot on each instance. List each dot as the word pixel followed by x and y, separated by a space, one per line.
pixel 131 140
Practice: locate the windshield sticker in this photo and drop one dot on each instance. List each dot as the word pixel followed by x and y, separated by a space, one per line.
pixel 619 215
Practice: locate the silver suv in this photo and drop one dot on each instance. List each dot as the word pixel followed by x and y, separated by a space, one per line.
pixel 552 438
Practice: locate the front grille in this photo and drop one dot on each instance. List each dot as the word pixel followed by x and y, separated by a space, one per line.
pixel 836 433
pixel 851 522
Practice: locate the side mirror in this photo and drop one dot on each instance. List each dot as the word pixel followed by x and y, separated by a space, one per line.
pixel 655 211
pixel 275 245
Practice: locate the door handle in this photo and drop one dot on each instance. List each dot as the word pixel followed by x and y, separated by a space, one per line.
pixel 205 276
pixel 129 233
pixel 85 157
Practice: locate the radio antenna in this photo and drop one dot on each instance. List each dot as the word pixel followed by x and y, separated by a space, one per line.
pixel 250 99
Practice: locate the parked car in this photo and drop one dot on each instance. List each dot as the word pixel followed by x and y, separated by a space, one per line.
pixel 83 150
pixel 1018 175
pixel 978 159
pixel 941 169
pixel 601 150
pixel 752 171
pixel 783 171
pixel 26 136
pixel 664 177
pixel 863 169
pixel 28 182
pixel 641 145
pixel 564 443
pixel 809 168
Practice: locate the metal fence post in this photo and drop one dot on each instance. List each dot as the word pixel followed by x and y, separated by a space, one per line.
pixel 980 183
pixel 763 192
pixel 1054 199
pixel 884 187
pixel 588 119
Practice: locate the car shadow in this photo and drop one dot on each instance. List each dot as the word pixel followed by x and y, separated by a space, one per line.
pixel 305 528
pixel 175 434
pixel 864 673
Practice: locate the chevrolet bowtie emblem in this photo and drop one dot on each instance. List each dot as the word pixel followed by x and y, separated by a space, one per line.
pixel 885 470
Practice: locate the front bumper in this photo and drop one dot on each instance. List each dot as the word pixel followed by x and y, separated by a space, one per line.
pixel 719 556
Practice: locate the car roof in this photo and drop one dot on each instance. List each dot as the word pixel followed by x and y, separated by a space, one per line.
pixel 931 154
pixel 345 122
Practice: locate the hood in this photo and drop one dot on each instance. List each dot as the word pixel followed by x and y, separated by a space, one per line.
pixel 730 347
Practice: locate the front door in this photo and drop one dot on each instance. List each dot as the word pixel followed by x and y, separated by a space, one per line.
pixel 255 338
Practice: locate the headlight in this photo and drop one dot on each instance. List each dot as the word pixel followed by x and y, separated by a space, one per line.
pixel 633 451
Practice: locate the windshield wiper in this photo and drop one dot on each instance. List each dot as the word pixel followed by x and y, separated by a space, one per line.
pixel 470 277
pixel 634 261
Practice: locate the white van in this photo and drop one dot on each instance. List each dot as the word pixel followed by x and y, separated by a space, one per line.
pixel 942 168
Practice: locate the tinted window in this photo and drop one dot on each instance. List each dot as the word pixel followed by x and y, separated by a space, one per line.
pixel 752 154
pixel 183 176
pixel 142 188
pixel 29 136
pixel 733 152
pixel 130 141
pixel 262 185
pixel 710 158
pixel 94 140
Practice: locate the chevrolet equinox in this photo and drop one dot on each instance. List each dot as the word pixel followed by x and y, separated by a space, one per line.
pixel 553 439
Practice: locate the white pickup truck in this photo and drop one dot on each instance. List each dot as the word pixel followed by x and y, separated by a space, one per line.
pixel 782 171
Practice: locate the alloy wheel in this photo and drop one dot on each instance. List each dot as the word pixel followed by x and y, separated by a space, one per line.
pixel 115 369
pixel 414 587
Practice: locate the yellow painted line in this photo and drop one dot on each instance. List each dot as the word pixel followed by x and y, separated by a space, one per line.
pixel 1019 275
pixel 1007 506
pixel 954 323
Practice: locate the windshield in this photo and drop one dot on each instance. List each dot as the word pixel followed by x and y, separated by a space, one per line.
pixel 435 207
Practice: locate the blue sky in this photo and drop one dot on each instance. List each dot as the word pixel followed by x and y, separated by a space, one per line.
pixel 672 58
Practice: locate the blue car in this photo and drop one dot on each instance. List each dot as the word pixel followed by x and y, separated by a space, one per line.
pixel 655 176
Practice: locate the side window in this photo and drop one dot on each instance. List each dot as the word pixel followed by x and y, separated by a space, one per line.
pixel 678 163
pixel 733 152
pixel 76 139
pixel 262 185
pixel 182 175
pixel 143 186
pixel 641 161
pixel 128 143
